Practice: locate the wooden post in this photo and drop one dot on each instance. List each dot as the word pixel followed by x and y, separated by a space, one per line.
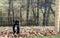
pixel 57 13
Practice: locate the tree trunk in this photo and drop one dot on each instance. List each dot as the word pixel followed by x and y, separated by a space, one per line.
pixel 44 18
pixel 46 13
pixel 12 10
pixel 27 13
pixel 37 12
pixel 20 15
pixel 9 11
pixel 34 13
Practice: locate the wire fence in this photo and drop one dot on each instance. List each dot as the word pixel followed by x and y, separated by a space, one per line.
pixel 28 12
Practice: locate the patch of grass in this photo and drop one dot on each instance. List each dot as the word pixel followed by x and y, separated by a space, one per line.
pixel 52 36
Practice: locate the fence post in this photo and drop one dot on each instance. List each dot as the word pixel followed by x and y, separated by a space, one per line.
pixel 57 13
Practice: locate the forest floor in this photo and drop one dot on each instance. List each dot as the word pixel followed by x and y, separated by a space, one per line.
pixel 30 32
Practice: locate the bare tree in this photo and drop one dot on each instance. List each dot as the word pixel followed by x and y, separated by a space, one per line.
pixel 34 13
pixel 9 11
pixel 47 12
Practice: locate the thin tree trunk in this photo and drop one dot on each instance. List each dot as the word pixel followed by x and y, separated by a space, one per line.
pixel 52 10
pixel 9 12
pixel 12 10
pixel 27 13
pixel 20 15
pixel 1 17
pixel 44 18
pixel 37 12
pixel 46 14
pixel 47 18
pixel 34 13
